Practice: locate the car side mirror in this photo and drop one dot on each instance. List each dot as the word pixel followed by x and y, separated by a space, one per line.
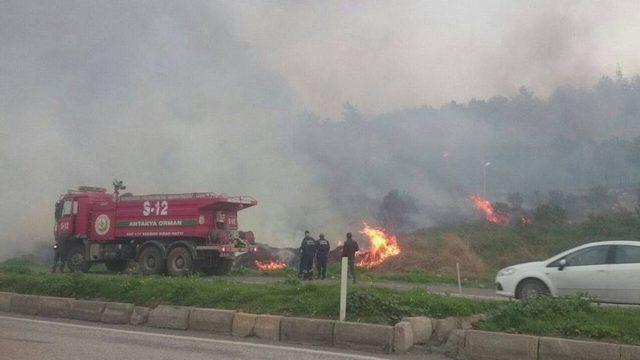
pixel 562 263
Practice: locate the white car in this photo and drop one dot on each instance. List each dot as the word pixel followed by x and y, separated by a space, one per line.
pixel 608 271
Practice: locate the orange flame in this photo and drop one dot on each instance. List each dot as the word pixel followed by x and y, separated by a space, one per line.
pixel 381 246
pixel 270 265
pixel 489 212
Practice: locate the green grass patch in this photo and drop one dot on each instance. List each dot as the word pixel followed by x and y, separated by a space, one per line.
pixel 289 297
pixel 573 317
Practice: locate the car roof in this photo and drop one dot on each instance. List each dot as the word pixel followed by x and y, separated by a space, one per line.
pixel 614 242
pixel 608 242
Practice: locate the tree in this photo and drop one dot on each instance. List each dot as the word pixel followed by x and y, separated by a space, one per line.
pixel 515 200
pixel 397 211
pixel 599 199
pixel 549 214
pixel 557 198
pixel 351 113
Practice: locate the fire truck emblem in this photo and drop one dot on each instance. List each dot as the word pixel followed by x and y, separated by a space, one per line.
pixel 102 224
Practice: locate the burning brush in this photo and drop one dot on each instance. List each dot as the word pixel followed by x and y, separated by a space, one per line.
pixel 270 265
pixel 382 245
pixel 490 214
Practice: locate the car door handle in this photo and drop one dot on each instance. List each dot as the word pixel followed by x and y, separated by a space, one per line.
pixel 601 270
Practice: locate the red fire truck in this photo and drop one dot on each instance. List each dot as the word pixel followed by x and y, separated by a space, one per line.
pixel 174 233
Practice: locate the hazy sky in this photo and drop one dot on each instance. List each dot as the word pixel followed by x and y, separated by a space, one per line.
pixel 198 96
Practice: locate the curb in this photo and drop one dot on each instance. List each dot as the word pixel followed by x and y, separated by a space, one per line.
pixel 481 345
pixel 368 337
pixel 460 342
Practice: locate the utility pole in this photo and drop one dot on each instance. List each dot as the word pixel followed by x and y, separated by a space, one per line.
pixel 484 180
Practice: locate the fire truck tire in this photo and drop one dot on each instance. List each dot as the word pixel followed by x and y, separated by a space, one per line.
pixel 117 266
pixel 222 267
pixel 151 262
pixel 179 261
pixel 76 261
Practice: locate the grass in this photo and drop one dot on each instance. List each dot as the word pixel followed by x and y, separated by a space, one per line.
pixel 410 276
pixel 566 317
pixel 500 246
pixel 289 297
pixel 573 317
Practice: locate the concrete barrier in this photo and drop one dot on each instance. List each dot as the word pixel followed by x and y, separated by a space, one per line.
pixel 481 345
pixel 444 327
pixel 560 349
pixel 217 321
pixel 629 352
pixel 307 331
pixel 402 337
pixel 422 328
pixel 54 307
pixel 466 323
pixel 24 304
pixel 169 317
pixel 268 327
pixel 116 313
pixel 140 315
pixel 362 336
pixel 455 343
pixel 243 324
pixel 5 301
pixel 86 310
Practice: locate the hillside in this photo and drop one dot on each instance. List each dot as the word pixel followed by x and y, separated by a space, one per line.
pixel 482 248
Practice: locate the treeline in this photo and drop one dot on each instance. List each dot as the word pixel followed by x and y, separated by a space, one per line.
pixel 574 141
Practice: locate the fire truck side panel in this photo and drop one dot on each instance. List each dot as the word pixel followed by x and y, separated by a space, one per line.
pixel 141 219
pixel 102 221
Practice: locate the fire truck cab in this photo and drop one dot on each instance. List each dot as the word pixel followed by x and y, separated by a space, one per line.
pixel 165 233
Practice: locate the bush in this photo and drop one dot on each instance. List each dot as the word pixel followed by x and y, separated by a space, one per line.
pixel 567 317
pixel 549 214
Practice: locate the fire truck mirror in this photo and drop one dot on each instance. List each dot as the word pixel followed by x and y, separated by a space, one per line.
pixel 58 212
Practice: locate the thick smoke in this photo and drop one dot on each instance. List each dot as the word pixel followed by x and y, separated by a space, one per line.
pixel 208 97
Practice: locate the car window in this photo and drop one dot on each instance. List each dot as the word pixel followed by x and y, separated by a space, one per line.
pixel 596 255
pixel 627 254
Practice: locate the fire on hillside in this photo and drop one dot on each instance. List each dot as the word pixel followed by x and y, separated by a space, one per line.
pixel 382 245
pixel 490 214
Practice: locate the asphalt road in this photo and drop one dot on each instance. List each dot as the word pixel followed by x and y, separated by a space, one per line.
pixel 38 338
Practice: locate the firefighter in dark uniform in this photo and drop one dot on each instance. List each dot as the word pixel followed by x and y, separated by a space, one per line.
pixel 322 255
pixel 307 253
pixel 349 250
pixel 59 256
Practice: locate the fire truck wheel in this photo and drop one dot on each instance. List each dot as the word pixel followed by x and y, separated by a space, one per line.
pixel 76 261
pixel 151 261
pixel 117 266
pixel 222 267
pixel 179 261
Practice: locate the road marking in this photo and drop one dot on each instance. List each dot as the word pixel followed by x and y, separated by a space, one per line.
pixel 193 338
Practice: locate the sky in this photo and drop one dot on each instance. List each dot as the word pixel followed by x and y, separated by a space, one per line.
pixel 201 96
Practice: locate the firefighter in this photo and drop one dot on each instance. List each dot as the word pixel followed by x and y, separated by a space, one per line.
pixel 349 250
pixel 59 256
pixel 322 255
pixel 307 253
